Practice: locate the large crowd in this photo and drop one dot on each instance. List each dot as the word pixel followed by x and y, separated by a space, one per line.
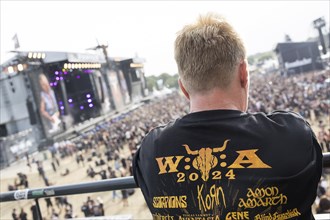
pixel 307 94
pixel 107 150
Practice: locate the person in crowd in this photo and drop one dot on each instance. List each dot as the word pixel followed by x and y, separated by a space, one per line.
pixel 49 204
pixel 113 175
pixel 90 171
pixel 14 215
pixel 12 187
pixel 53 166
pixel 48 105
pixel 100 204
pixel 46 181
pixel 221 149
pixel 66 172
pixel 90 204
pixel 59 201
pixel 66 202
pixel 124 192
pixel 34 212
pixel 23 181
pixel 324 203
pixel 28 163
pixel 54 215
pixel 85 210
pixel 103 174
pixel 23 215
pixel 97 211
pixel 68 212
pixel 41 170
pixel 324 206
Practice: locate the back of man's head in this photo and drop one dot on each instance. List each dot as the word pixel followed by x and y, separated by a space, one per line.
pixel 208 53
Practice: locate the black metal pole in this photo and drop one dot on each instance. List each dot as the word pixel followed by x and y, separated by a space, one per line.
pixel 324 48
pixel 38 210
pixel 72 189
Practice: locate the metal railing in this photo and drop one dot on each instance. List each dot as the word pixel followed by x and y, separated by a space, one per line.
pixel 87 187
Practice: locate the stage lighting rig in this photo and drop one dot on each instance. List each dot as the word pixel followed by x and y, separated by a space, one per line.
pixel 318 24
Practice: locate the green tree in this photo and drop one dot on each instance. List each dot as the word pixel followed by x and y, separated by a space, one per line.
pixel 164 77
pixel 168 81
pixel 172 82
pixel 151 82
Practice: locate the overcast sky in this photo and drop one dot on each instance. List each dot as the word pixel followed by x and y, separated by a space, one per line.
pixel 148 28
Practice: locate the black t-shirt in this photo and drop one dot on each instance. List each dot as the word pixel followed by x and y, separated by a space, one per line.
pixel 226 164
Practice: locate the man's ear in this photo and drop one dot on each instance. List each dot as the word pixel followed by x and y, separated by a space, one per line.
pixel 243 74
pixel 183 89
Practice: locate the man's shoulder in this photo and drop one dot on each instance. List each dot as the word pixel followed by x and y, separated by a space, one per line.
pixel 292 124
pixel 286 114
pixel 288 118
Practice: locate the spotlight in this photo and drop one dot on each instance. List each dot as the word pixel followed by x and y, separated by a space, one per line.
pixel 90 105
pixel 56 72
pixel 39 55
pixel 30 55
pixel 88 96
pixel 70 100
pixel 65 66
pixel 57 78
pixel 10 69
pixel 62 107
pixel 69 65
pixel 81 107
pixel 89 100
pixel 34 55
pixel 136 65
pixel 43 55
pixel 20 67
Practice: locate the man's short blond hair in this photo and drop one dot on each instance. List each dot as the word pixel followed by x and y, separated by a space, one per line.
pixel 208 53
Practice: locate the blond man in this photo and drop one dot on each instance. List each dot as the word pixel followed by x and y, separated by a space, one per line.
pixel 218 161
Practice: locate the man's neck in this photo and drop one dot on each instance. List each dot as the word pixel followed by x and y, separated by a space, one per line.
pixel 216 100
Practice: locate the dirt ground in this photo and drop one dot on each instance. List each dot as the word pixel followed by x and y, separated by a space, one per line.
pixel 137 207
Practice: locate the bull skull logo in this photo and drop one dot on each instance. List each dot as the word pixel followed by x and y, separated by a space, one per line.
pixel 205 160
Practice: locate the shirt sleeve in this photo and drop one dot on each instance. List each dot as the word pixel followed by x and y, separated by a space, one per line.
pixel 136 166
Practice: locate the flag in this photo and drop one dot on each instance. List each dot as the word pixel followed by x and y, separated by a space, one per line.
pixel 16 43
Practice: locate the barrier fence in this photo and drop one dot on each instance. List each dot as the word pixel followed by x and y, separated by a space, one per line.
pixel 87 187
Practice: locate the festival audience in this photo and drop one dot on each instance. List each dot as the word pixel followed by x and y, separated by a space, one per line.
pixel 101 148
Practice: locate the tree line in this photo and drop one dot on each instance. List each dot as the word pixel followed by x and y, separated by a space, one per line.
pixel 161 81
